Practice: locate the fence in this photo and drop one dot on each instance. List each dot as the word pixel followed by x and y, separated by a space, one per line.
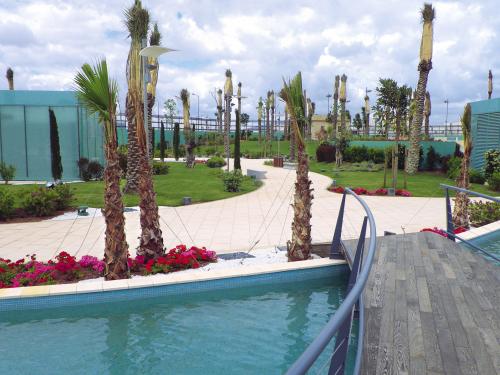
pixel 341 322
pixel 25 133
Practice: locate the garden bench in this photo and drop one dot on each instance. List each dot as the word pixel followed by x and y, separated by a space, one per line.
pixel 256 175
pixel 82 211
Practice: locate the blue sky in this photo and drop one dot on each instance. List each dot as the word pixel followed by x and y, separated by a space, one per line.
pixel 45 42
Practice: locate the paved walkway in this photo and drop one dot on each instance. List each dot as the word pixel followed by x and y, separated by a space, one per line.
pixel 431 307
pixel 261 218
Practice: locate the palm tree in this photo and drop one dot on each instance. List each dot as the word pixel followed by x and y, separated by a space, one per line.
pixel 427 113
pixel 342 129
pixel 366 114
pixel 286 130
pixel 137 22
pixel 260 108
pixel 188 141
pixel 335 111
pixel 268 127
pixel 299 248
pixel 490 84
pixel 154 40
pixel 424 68
pixel 272 114
pixel 10 78
pixel 460 211
pixel 228 96
pixel 219 115
pixel 98 94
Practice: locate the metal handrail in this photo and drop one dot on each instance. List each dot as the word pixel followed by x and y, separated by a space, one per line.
pixel 314 350
pixel 449 226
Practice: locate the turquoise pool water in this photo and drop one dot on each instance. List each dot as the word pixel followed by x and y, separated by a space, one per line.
pixel 248 330
pixel 489 242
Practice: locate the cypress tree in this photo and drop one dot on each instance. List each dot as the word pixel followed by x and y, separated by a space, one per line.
pixel 55 149
pixel 237 136
pixel 176 141
pixel 162 141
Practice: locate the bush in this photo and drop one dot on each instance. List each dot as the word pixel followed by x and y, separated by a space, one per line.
pixel 6 204
pixel 232 180
pixel 492 163
pixel 325 153
pixel 494 181
pixel 7 172
pixel 432 159
pixel 216 162
pixel 160 168
pixel 476 177
pixel 453 169
pixel 64 196
pixel 90 170
pixel 482 213
pixel 40 202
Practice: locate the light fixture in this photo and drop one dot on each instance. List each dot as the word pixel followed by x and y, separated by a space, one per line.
pixel 155 51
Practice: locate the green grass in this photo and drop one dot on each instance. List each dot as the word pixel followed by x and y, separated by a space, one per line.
pixel 201 183
pixel 422 184
pixel 253 147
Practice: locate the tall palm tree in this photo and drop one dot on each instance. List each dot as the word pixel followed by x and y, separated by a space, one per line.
pixel 460 211
pixel 154 40
pixel 260 108
pixel 98 93
pixel 427 113
pixel 342 128
pixel 10 78
pixel 335 111
pixel 424 67
pixel 490 84
pixel 188 141
pixel 137 22
pixel 228 96
pixel 299 248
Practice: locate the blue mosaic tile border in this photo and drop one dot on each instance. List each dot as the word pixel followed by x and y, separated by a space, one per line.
pixel 35 303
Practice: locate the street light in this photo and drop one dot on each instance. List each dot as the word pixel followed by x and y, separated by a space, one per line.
pixel 446 118
pixel 146 52
pixel 328 96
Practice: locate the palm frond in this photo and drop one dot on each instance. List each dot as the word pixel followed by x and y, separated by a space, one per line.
pixel 155 37
pixel 293 95
pixel 228 86
pixel 137 21
pixel 428 13
pixel 465 121
pixel 10 73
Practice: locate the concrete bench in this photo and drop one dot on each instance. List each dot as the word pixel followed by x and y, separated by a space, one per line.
pixel 256 175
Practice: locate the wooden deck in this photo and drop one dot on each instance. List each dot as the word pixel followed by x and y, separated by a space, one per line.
pixel 431 307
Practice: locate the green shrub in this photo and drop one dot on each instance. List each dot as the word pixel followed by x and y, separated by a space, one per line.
pixel 454 165
pixel 482 213
pixel 40 202
pixel 55 148
pixel 432 159
pixel 494 181
pixel 160 168
pixel 492 162
pixel 325 153
pixel 7 172
pixel 216 162
pixel 232 180
pixel 64 196
pixel 476 177
pixel 6 205
pixel 90 169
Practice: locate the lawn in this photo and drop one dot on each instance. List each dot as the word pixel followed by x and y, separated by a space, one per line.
pixel 253 148
pixel 422 184
pixel 201 183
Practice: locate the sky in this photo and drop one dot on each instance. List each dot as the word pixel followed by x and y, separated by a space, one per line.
pixel 262 42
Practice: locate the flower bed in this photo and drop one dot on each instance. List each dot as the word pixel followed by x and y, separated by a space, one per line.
pixel 65 268
pixel 363 191
pixel 442 232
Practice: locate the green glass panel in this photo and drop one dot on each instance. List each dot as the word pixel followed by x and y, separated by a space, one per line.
pixel 13 139
pixel 38 143
pixel 67 124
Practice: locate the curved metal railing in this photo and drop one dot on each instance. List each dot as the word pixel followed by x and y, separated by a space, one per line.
pixel 353 298
pixel 449 217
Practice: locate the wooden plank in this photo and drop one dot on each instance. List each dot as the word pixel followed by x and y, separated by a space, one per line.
pixel 424 300
pixel 431 346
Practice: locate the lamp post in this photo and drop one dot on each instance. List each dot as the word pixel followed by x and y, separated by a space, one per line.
pixel 328 96
pixel 446 118
pixel 198 105
pixel 145 53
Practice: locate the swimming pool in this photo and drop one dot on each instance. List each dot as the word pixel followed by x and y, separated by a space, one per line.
pixel 489 242
pixel 252 329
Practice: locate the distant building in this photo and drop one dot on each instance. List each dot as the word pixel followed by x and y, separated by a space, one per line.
pixel 485 129
pixel 317 122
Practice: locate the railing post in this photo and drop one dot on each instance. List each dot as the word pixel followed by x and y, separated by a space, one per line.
pixel 449 217
pixel 335 247
pixel 360 250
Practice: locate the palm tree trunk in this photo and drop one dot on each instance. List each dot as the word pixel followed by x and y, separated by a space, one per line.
pixel 116 247
pixel 259 125
pixel 416 126
pixel 334 118
pixel 268 133
pixel 151 103
pixel 227 128
pixel 299 248
pixel 272 124
pixel 292 145
pixel 460 211
pixel 132 184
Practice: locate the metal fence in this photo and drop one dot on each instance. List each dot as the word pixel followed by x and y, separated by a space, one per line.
pixel 340 324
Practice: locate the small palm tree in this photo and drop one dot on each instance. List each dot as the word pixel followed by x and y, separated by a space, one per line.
pixel 98 94
pixel 10 78
pixel 299 248
pixel 424 67
pixel 154 40
pixel 228 97
pixel 137 23
pixel 188 141
pixel 460 211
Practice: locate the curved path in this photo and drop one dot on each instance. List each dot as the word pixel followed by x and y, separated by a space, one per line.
pixel 260 219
